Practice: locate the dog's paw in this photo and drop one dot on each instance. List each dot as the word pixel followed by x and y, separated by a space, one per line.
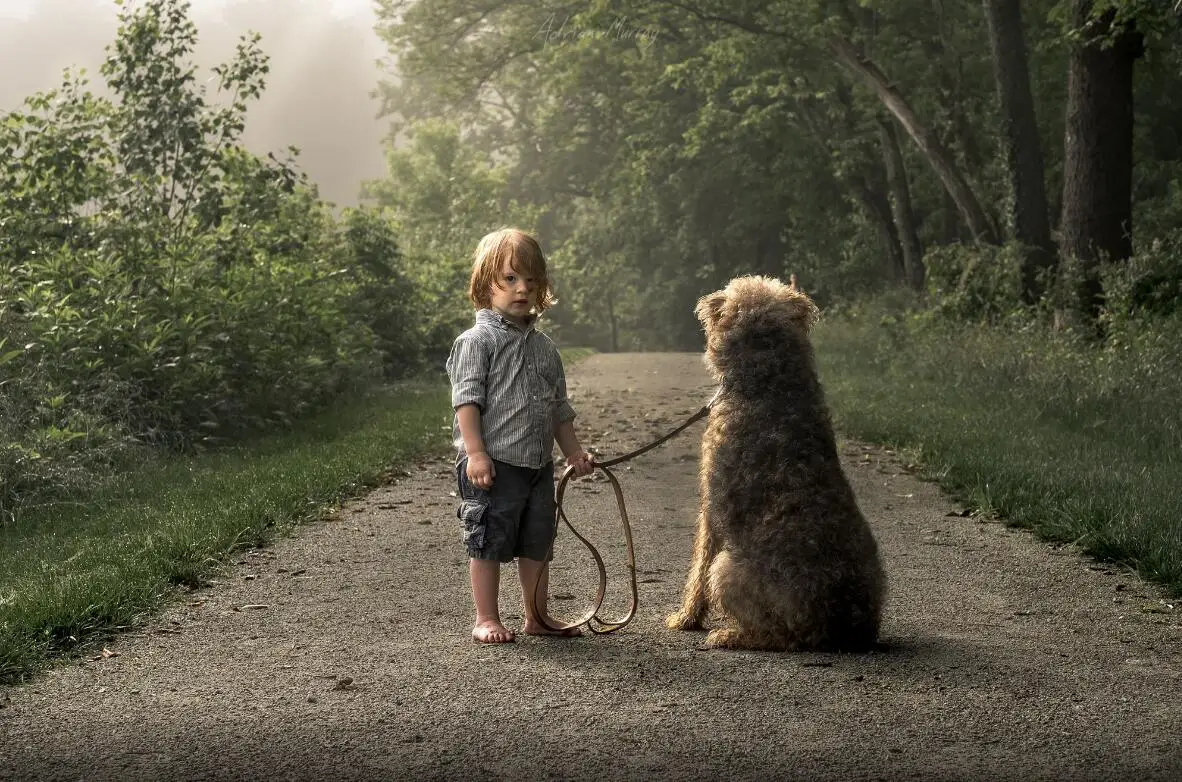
pixel 724 638
pixel 731 638
pixel 683 621
pixel 737 638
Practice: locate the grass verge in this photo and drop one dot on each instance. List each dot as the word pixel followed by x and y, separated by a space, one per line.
pixel 70 575
pixel 1075 443
pixel 572 356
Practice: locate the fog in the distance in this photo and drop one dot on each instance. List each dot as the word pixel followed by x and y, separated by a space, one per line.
pixel 323 69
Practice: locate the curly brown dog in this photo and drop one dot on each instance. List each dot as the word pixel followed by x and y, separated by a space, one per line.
pixel 782 551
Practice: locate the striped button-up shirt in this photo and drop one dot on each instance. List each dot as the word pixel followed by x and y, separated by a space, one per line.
pixel 515 376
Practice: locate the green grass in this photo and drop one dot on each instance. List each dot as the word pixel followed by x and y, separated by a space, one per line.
pixel 1075 443
pixel 571 356
pixel 71 574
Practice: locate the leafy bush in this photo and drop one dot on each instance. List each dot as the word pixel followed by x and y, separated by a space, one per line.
pixel 158 283
pixel 384 296
pixel 1148 284
pixel 974 282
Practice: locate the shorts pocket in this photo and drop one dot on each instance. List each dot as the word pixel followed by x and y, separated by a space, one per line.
pixel 473 517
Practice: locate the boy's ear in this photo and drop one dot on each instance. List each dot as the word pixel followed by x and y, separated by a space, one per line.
pixel 710 308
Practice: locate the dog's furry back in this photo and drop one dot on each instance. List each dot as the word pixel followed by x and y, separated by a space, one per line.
pixel 796 555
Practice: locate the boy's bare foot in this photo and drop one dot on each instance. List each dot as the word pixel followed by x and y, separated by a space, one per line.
pixel 537 628
pixel 492 632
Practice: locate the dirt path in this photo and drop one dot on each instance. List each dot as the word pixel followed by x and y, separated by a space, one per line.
pixel 1006 659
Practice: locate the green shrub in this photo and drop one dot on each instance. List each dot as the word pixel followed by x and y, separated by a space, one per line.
pixel 161 285
pixel 974 282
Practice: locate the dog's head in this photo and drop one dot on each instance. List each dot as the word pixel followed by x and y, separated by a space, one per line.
pixel 753 315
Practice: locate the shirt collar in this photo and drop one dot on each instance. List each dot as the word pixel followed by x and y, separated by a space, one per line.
pixel 491 317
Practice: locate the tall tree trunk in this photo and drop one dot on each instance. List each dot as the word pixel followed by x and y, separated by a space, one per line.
pixel 545 228
pixel 949 220
pixel 1098 150
pixel 769 253
pixel 611 319
pixel 933 149
pixel 952 89
pixel 874 202
pixel 905 223
pixel 1028 209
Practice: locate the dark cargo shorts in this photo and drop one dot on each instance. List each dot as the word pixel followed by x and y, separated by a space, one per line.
pixel 513 519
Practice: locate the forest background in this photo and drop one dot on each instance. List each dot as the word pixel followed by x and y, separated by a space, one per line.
pixel 984 197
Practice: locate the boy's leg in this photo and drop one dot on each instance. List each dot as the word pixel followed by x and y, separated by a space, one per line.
pixel 486 581
pixel 534 544
pixel 537 573
pixel 488 542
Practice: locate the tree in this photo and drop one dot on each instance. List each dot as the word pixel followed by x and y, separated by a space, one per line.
pixel 934 150
pixel 1029 214
pixel 904 217
pixel 1098 168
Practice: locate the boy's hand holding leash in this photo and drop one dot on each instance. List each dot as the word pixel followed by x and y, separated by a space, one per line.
pixel 581 464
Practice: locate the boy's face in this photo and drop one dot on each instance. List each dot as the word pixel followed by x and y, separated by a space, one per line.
pixel 513 295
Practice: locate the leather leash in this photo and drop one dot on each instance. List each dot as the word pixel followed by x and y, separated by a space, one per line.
pixel 591 617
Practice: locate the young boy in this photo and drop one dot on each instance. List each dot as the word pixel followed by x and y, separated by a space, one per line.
pixel 508 389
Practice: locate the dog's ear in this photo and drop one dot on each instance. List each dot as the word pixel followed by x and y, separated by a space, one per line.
pixel 803 310
pixel 710 308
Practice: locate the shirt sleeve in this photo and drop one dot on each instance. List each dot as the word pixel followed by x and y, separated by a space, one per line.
pixel 467 368
pixel 563 412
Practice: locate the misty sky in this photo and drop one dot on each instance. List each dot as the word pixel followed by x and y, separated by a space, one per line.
pixel 24 8
pixel 323 53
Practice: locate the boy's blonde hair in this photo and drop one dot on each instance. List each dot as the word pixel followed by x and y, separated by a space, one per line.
pixel 525 257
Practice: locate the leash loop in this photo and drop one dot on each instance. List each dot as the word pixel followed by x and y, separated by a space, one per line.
pixel 590 618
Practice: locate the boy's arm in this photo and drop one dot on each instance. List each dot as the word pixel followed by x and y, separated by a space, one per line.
pixel 564 431
pixel 480 467
pixel 568 441
pixel 467 367
pixel 468 417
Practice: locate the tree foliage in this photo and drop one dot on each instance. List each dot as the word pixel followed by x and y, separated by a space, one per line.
pixel 158 283
pixel 671 144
